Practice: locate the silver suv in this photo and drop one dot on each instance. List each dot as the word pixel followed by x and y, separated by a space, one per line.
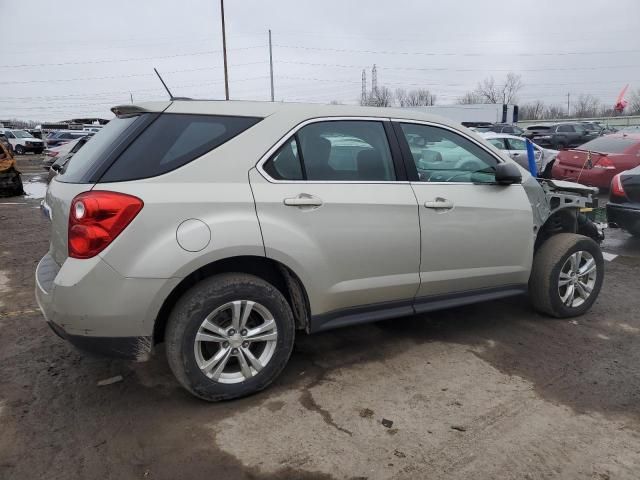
pixel 222 228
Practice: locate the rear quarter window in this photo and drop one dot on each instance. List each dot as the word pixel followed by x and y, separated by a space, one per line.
pixel 173 140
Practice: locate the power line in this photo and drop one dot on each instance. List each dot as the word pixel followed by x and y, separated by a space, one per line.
pixel 131 75
pixel 91 62
pixel 455 54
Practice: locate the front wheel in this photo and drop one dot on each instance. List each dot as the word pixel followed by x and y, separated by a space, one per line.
pixel 567 275
pixel 19 149
pixel 229 336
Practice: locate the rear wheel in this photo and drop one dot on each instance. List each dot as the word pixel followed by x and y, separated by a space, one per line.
pixel 567 275
pixel 229 336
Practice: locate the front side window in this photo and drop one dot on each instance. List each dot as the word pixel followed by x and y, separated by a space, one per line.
pixel 341 150
pixel 449 157
pixel 564 128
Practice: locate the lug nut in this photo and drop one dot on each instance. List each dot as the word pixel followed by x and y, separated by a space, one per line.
pixel 245 344
pixel 225 344
pixel 234 351
pixel 231 331
pixel 243 332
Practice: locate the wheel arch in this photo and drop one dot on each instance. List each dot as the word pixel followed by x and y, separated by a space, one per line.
pixel 279 275
pixel 567 220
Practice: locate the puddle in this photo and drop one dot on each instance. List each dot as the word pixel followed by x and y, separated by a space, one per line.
pixel 35 189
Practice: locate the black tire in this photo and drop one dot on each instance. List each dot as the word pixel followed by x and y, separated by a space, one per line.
pixel 545 274
pixel 548 168
pixel 11 183
pixel 19 149
pixel 191 310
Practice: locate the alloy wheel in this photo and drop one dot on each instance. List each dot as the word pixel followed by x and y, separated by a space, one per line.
pixel 235 341
pixel 577 278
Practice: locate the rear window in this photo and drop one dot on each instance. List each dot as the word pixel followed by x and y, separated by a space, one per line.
pixel 609 144
pixel 172 141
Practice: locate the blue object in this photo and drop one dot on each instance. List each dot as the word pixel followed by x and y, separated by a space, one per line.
pixel 531 156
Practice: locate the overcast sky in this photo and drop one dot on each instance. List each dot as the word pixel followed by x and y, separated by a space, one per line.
pixel 78 58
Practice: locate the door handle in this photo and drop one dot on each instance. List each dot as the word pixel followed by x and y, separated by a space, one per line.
pixel 303 200
pixel 515 154
pixel 439 203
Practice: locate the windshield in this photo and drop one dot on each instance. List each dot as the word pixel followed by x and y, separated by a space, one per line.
pixel 22 134
pixel 608 145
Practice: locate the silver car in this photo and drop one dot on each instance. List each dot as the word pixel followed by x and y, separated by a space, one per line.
pixel 516 148
pixel 224 228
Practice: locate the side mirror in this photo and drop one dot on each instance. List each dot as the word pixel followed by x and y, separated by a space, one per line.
pixel 507 174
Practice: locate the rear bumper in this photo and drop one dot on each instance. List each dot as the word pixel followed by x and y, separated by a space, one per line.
pixel 595 177
pixel 92 306
pixel 128 348
pixel 627 217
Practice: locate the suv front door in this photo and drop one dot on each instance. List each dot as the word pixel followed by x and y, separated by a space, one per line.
pixel 477 236
pixel 335 206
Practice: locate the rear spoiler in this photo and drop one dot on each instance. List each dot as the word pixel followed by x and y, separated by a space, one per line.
pixel 150 107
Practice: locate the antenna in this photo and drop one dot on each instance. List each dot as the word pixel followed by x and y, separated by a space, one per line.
pixel 171 97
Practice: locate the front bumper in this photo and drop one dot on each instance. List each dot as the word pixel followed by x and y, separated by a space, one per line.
pixel 92 306
pixel 627 217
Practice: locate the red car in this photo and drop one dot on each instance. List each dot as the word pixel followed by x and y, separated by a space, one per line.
pixel 596 162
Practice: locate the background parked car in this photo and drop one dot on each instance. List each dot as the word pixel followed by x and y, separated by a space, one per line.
pixel 596 162
pixel 559 135
pixel 61 160
pixel 63 136
pixel 500 128
pixel 516 148
pixel 623 209
pixel 53 153
pixel 22 141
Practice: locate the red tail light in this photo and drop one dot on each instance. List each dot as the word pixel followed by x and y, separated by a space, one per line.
pixel 616 187
pixel 604 162
pixel 97 218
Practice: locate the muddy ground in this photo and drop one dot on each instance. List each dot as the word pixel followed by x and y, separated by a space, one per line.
pixel 484 392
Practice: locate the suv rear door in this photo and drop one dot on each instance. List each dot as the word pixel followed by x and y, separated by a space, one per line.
pixel 334 204
pixel 477 236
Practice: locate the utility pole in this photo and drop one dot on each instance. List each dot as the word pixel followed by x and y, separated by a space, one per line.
pixel 271 63
pixel 568 104
pixel 374 80
pixel 224 52
pixel 131 95
pixel 363 93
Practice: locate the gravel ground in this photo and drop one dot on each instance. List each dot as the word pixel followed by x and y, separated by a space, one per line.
pixel 484 392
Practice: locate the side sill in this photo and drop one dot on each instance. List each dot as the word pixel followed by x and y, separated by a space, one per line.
pixel 384 311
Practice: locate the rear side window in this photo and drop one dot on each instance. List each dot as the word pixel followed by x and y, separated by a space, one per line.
pixel 172 141
pixel 88 159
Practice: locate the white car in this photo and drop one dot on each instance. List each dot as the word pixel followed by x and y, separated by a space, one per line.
pixel 22 141
pixel 516 148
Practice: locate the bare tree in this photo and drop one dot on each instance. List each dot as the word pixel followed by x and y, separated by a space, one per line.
pixel 335 102
pixel 634 103
pixel 415 98
pixel 380 97
pixel 554 111
pixel 470 98
pixel 586 106
pixel 532 111
pixel 505 93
